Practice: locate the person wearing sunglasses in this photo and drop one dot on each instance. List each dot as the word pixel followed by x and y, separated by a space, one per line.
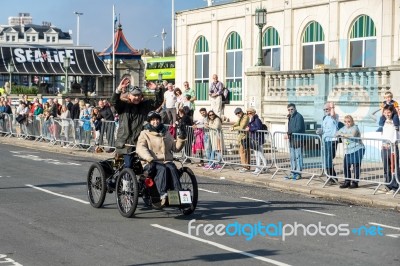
pixel 295 126
pixel 214 127
pixel 328 131
pixel 132 113
pixel 256 140
pixel 354 151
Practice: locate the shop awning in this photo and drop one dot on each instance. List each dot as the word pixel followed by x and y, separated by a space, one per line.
pixel 42 60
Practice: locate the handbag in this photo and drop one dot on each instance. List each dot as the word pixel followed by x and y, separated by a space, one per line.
pixel 20 118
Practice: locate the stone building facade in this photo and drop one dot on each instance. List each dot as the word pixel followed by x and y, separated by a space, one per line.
pixel 346 51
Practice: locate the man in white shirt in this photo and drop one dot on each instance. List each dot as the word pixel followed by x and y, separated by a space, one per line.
pixel 169 102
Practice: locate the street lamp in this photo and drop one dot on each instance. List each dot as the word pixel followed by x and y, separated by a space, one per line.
pixel 11 70
pixel 261 20
pixel 78 14
pixel 160 74
pixel 154 36
pixel 163 34
pixel 67 64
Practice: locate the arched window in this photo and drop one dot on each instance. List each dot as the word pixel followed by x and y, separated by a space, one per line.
pixel 363 43
pixel 271 48
pixel 201 68
pixel 234 66
pixel 313 43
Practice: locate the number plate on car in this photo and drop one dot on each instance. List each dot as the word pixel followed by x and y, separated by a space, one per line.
pixel 185 197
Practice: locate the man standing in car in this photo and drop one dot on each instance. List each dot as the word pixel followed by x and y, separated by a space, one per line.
pixel 132 113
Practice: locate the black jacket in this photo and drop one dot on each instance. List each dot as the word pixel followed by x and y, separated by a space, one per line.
pixel 75 111
pixel 131 119
pixel 106 113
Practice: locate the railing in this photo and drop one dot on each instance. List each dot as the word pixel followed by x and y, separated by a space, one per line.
pixel 220 148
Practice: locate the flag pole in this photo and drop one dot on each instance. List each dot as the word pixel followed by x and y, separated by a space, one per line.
pixel 113 48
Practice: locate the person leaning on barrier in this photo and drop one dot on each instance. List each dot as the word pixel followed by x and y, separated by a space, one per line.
pixel 106 114
pixel 244 152
pixel 354 151
pixel 390 156
pixel 328 131
pixel 156 145
pixel 132 112
pixel 295 125
pixel 217 142
pixel 202 137
pixel 257 139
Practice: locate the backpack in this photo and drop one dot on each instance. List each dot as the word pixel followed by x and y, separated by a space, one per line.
pixel 225 95
pixel 264 127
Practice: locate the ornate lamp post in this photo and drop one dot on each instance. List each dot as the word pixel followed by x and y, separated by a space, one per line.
pixel 67 64
pixel 261 20
pixel 11 70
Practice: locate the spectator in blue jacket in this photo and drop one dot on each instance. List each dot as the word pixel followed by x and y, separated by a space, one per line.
pixel 256 139
pixel 295 125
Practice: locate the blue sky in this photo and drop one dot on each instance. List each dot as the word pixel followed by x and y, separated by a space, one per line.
pixel 141 19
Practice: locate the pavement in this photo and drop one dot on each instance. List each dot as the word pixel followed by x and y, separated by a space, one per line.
pixel 362 196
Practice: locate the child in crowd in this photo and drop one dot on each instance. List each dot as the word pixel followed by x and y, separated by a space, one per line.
pixel 389 102
pixel 96 120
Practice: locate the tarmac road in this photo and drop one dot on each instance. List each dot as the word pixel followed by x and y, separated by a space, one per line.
pixel 46 220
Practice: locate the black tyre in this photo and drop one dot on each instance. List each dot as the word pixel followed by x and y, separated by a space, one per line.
pixel 127 193
pixel 96 185
pixel 189 182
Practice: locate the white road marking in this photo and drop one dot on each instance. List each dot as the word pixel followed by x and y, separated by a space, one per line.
pixel 393 235
pixel 323 213
pixel 57 194
pixel 387 226
pixel 37 158
pixel 8 261
pixel 209 191
pixel 255 199
pixel 253 256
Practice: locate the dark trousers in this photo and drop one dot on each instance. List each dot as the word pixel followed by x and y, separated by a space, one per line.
pixel 330 154
pixel 347 171
pixel 107 128
pixel 166 177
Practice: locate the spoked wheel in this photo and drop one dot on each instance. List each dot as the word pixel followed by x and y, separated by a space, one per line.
pixel 96 185
pixel 189 182
pixel 127 193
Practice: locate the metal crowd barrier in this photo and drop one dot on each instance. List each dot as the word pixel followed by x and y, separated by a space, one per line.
pixel 377 164
pixel 397 175
pixel 297 154
pixel 5 124
pixel 222 147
